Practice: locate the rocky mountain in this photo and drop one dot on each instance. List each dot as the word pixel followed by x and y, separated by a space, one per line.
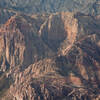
pixel 49 49
pixel 50 56
pixel 42 6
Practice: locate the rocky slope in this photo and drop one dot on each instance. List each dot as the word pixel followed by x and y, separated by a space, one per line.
pixel 50 57
pixel 40 6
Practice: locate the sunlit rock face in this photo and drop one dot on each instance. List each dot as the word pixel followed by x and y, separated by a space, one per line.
pixel 50 57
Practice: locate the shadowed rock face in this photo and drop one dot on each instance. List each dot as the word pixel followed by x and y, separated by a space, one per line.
pixel 50 57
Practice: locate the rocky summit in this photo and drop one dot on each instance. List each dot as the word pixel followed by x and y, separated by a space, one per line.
pixel 49 50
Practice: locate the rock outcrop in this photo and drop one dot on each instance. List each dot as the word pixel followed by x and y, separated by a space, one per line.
pixel 51 57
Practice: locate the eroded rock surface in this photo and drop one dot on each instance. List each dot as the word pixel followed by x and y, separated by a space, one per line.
pixel 51 57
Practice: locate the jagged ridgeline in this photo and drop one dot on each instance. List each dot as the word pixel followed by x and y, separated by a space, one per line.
pixel 40 6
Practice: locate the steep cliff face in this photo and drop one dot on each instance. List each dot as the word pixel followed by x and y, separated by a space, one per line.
pixel 58 28
pixel 21 44
pixel 24 41
pixel 50 57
